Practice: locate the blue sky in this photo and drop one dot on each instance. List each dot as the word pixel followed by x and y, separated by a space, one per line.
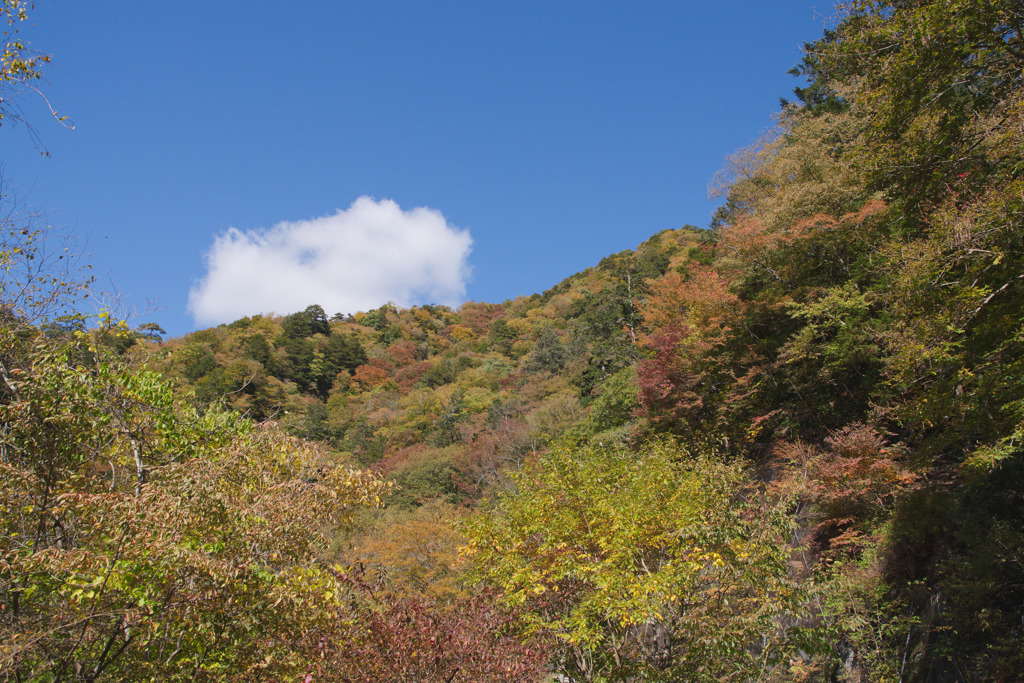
pixel 550 134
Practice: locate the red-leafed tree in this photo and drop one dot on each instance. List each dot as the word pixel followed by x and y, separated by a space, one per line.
pixel 398 640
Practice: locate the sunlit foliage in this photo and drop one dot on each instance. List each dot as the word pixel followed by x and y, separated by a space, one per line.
pixel 649 565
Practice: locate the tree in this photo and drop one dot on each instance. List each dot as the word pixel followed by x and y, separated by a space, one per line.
pixel 41 278
pixel 343 352
pixel 937 82
pixel 642 565
pixel 875 247
pixel 306 323
pixel 20 65
pixel 395 640
pixel 143 539
pixel 548 353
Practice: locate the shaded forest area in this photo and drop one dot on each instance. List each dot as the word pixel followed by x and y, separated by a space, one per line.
pixel 787 447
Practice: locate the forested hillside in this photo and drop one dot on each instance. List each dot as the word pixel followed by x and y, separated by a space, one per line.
pixel 786 447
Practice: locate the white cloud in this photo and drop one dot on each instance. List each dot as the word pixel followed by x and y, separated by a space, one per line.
pixel 353 260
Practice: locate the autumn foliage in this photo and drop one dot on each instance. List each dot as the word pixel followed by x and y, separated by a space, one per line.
pixel 414 639
pixel 788 447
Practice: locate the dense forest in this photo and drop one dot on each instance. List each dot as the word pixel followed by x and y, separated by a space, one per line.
pixel 786 447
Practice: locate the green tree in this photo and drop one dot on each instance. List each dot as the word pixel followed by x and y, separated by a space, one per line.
pixel 343 352
pixel 306 323
pixel 548 354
